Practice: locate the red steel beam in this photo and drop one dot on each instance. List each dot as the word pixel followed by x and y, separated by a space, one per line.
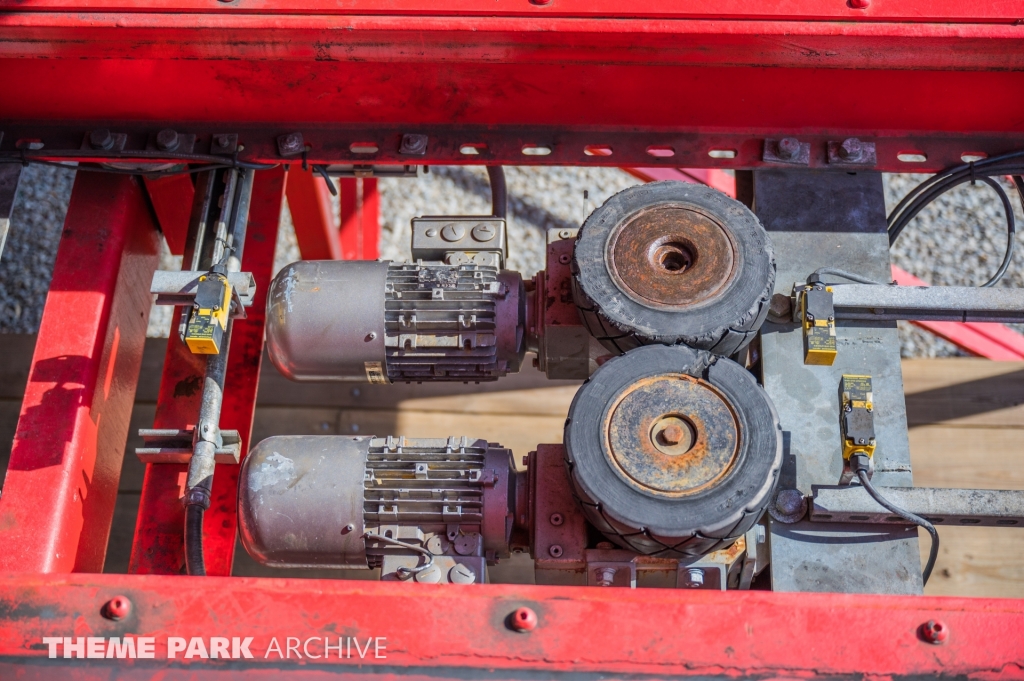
pixel 360 219
pixel 316 230
pixel 455 632
pixel 61 485
pixel 158 544
pixel 171 197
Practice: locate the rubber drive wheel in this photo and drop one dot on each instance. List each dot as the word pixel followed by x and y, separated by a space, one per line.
pixel 671 451
pixel 673 263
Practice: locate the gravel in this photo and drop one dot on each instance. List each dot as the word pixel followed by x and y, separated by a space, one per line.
pixel 958 240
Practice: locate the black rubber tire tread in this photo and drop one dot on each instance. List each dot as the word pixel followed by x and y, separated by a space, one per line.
pixel 722 325
pixel 683 527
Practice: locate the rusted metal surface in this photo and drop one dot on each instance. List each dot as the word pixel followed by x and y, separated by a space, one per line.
pixel 671 435
pixel 671 255
pixel 581 633
pixel 558 537
pixel 61 484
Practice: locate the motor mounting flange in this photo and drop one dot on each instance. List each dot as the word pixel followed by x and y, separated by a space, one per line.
pixel 673 263
pixel 672 451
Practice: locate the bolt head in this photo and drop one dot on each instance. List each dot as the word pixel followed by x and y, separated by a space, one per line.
pixel 694 578
pixel 789 148
pixel 781 306
pixel 290 144
pixel 117 608
pixel 101 139
pixel 484 232
pixel 789 501
pixel 222 141
pixel 934 631
pixel 672 434
pixel 413 145
pixel 524 619
pixel 167 140
pixel 850 149
pixel 461 574
pixel 557 519
pixel 555 551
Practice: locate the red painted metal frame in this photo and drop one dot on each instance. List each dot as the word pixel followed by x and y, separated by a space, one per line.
pixel 309 202
pixel 360 219
pixel 158 545
pixel 61 484
pixel 446 632
pixel 171 198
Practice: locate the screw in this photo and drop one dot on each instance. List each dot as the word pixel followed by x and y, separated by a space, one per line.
pixel 461 574
pixel 789 148
pixel 555 550
pixel 564 259
pixel 524 619
pixel 290 144
pixel 222 141
pixel 413 145
pixel 851 149
pixel 370 336
pixel 117 608
pixel 564 233
pixel 789 501
pixel 605 576
pixel 484 232
pixel 694 578
pixel 101 139
pixel 556 519
pixel 934 631
pixel 453 232
pixel 167 140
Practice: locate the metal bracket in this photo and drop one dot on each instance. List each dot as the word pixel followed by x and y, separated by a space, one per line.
pixel 968 507
pixel 369 170
pixel 175 446
pixel 179 289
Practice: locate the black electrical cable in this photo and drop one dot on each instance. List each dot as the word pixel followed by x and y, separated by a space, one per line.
pixel 322 171
pixel 499 191
pixel 194 561
pixel 984 170
pixel 859 464
pixel 815 277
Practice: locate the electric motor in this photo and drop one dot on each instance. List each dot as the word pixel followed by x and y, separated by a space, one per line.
pixel 382 322
pixel 671 451
pixel 360 502
pixel 673 263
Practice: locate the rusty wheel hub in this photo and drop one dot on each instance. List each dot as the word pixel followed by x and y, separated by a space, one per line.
pixel 671 255
pixel 671 435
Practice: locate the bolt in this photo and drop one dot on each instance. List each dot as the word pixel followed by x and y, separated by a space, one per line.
pixel 605 576
pixel 413 145
pixel 934 631
pixel 694 578
pixel 452 232
pixel 484 232
pixel 371 336
pixel 851 149
pixel 564 259
pixel 222 141
pixel 167 140
pixel 789 148
pixel 524 619
pixel 117 608
pixel 555 550
pixel 101 139
pixel 461 574
pixel 860 4
pixel 290 144
pixel 556 519
pixel 789 501
pixel 781 306
pixel 564 233
pixel 673 434
pixel 431 575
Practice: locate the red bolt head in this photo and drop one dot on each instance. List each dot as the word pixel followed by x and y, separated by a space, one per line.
pixel 860 4
pixel 524 619
pixel 117 608
pixel 934 631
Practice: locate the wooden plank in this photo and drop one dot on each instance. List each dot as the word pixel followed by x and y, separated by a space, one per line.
pixel 978 458
pixel 965 391
pixel 982 562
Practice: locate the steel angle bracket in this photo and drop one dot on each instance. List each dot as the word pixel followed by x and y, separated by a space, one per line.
pixel 940 506
pixel 179 289
pixel 176 446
